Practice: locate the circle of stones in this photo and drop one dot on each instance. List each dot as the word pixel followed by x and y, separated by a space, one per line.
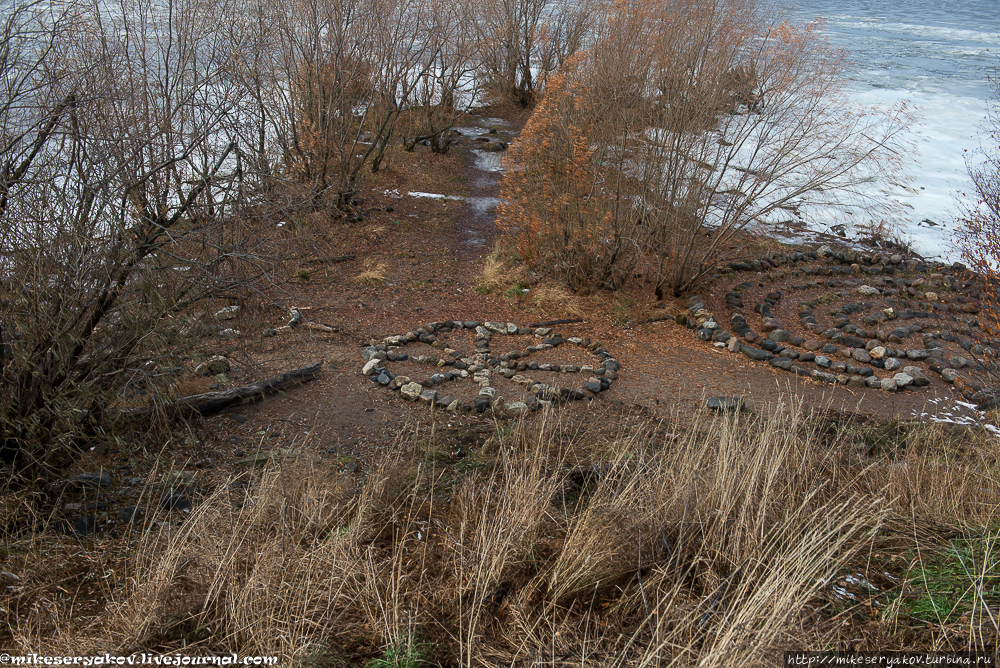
pixel 856 354
pixel 484 363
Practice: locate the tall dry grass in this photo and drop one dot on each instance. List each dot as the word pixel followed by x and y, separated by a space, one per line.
pixel 713 544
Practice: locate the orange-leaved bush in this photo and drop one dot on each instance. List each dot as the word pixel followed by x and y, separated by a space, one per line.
pixel 555 212
pixel 687 122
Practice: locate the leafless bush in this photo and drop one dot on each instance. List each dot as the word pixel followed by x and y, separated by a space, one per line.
pixel 119 198
pixel 522 41
pixel 979 231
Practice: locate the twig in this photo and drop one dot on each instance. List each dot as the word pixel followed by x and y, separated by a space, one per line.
pixel 549 323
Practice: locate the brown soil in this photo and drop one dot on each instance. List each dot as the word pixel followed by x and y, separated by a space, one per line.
pixel 430 253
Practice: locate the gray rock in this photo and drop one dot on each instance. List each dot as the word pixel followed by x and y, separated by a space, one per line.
pixel 779 336
pixel 868 291
pixel 428 396
pixel 734 345
pixel 85 526
pixel 888 384
pixel 517 408
pixel 949 375
pixel 411 391
pixel 824 377
pixel 370 367
pixel 87 481
pixel 495 327
pixel 919 379
pixel 861 355
pixel 228 313
pixel 724 404
pixel 873 382
pixel 822 361
pixel 213 366
pixel 130 514
pixel 592 386
pixel 756 354
pixel 891 364
pixel 917 354
pixel 781 363
pixel 172 501
pixel 903 379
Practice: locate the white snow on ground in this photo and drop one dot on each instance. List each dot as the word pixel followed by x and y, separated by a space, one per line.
pixel 955 411
pixel 489 161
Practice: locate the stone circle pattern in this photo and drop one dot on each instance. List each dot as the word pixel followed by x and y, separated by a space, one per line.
pixel 484 365
pixel 864 320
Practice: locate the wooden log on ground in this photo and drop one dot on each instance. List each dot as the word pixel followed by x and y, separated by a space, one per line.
pixel 211 403
pixel 549 323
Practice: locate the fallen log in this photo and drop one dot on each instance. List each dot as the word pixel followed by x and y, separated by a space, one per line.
pixel 549 323
pixel 210 403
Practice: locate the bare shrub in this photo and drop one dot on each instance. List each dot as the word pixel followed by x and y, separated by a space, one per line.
pixel 448 87
pixel 522 41
pixel 119 198
pixel 979 231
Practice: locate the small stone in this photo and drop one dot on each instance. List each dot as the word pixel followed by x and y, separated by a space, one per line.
pixel 370 367
pixel 428 396
pixel 877 353
pixel 131 514
pixel 888 384
pixel 724 404
pixel 917 374
pixel 85 526
pixel 495 327
pixel 228 313
pixel 903 379
pixel 822 361
pixel 891 364
pixel 824 377
pixel 213 366
pixel 949 375
pixel 861 355
pixel 868 291
pixel 779 335
pixel 169 501
pixel 411 391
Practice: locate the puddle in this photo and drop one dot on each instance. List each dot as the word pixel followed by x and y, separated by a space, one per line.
pixel 488 161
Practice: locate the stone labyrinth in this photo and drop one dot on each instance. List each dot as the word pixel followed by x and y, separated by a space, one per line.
pixel 513 369
pixel 862 320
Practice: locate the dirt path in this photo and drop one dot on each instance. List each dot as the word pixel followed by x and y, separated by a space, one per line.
pixel 429 249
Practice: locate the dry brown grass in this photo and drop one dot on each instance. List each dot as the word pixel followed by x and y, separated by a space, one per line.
pixel 373 274
pixel 709 543
pixel 554 298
